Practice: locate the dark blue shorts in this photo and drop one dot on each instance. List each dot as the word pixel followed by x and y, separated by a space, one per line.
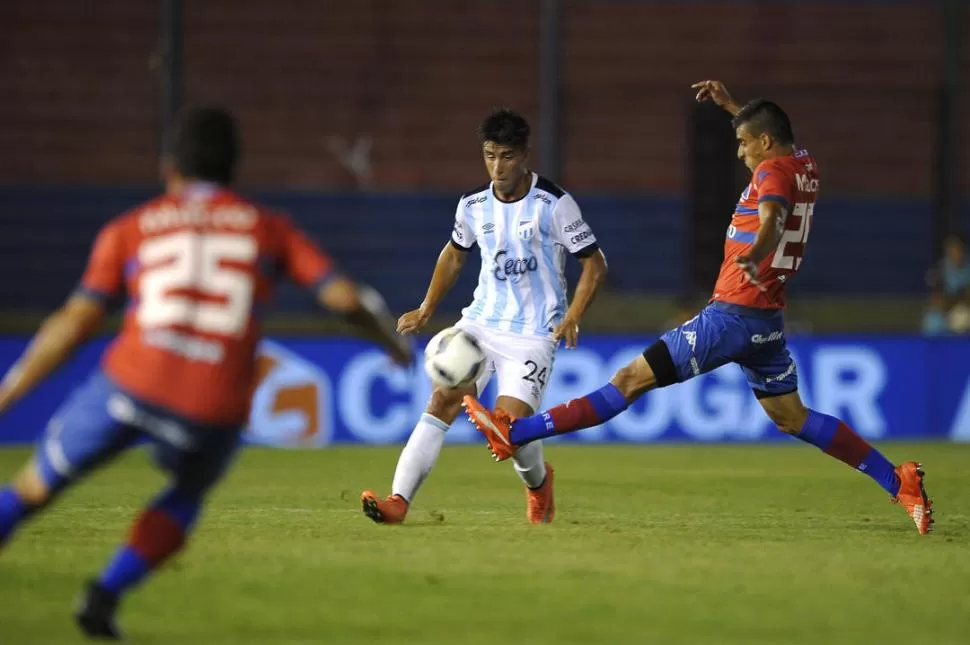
pixel 722 333
pixel 99 421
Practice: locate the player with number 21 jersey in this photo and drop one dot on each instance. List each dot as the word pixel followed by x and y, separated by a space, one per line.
pixel 744 321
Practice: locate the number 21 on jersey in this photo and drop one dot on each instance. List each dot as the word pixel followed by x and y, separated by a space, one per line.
pixel 793 258
pixel 193 261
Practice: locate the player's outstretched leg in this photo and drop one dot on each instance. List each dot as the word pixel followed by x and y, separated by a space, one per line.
pixel 834 437
pixel 417 459
pixel 506 435
pixel 158 533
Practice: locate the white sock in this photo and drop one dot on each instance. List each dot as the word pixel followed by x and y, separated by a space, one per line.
pixel 530 464
pixel 418 457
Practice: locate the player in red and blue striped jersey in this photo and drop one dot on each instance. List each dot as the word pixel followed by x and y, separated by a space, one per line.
pixel 744 321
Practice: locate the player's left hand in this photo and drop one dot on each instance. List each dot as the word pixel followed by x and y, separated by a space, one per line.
pixel 568 331
pixel 750 268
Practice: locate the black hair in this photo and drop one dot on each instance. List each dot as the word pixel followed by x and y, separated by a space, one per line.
pixel 763 116
pixel 506 128
pixel 205 145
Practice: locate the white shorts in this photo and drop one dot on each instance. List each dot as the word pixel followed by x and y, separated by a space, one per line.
pixel 523 363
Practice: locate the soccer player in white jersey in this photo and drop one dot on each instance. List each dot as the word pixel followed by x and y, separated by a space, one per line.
pixel 523 225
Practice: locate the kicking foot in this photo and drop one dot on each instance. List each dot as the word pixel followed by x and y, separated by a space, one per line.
pixel 912 496
pixel 494 425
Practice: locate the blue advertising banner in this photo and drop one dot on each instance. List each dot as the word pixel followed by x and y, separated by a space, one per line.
pixel 334 390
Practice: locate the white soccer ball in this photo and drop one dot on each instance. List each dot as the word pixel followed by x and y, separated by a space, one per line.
pixel 453 358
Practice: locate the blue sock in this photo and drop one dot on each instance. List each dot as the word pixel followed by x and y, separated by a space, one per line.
pixel 158 534
pixel 126 569
pixel 12 510
pixel 835 438
pixel 585 412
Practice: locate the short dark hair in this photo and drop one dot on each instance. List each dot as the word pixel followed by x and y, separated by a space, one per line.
pixel 205 145
pixel 763 116
pixel 506 128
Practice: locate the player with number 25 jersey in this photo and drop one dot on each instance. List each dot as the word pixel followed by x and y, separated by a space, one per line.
pixel 197 266
pixel 201 264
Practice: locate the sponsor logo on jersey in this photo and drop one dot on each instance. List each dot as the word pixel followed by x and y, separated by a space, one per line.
pixel 475 200
pixel 759 339
pixel 691 338
pixel 543 197
pixel 579 237
pixel 513 268
pixel 575 225
pixel 488 228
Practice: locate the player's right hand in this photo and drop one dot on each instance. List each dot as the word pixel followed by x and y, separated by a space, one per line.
pixel 413 321
pixel 715 91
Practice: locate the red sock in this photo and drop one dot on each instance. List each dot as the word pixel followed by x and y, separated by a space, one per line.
pixel 847 446
pixel 155 536
pixel 574 415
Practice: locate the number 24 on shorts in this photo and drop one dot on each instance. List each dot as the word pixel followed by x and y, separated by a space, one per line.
pixel 536 375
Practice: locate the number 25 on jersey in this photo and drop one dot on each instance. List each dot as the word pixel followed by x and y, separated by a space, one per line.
pixel 193 261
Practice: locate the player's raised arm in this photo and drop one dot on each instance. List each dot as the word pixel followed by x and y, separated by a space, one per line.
pixel 446 271
pixel 716 92
pixel 572 231
pixel 71 325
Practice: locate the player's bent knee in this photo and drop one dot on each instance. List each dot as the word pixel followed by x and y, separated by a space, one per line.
pixel 515 407
pixel 445 403
pixel 635 379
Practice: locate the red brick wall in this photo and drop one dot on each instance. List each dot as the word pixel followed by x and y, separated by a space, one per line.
pixel 78 96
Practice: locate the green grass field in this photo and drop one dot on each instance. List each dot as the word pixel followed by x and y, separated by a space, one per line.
pixel 661 544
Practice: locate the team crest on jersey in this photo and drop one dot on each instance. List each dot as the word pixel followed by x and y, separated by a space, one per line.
pixel 527 229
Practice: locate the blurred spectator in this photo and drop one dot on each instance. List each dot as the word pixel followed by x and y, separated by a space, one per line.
pixel 949 282
pixel 959 317
pixel 952 274
pixel 934 318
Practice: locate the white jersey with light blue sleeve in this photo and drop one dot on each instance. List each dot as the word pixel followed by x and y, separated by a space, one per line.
pixel 521 285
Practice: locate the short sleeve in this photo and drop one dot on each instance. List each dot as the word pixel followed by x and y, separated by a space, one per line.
pixel 104 277
pixel 462 234
pixel 773 183
pixel 571 230
pixel 304 262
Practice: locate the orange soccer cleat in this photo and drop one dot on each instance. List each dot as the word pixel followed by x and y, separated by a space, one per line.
pixel 912 495
pixel 494 425
pixel 541 502
pixel 391 510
